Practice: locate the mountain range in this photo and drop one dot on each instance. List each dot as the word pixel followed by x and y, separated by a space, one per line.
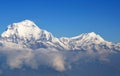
pixel 27 34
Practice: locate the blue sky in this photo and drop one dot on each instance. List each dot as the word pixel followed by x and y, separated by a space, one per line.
pixel 65 17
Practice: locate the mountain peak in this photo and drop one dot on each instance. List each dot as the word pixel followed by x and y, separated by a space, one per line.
pixel 85 35
pixel 91 37
pixel 94 37
pixel 26 22
pixel 92 34
pixel 23 30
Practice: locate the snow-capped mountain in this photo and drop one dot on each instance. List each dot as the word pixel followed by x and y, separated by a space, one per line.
pixel 28 34
pixel 25 31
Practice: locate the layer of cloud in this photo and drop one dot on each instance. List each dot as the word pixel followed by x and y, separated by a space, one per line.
pixel 33 58
pixel 58 60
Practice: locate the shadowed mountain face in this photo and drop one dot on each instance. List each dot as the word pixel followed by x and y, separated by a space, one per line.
pixel 25 49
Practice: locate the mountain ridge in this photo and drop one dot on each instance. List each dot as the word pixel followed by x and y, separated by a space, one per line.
pixel 30 35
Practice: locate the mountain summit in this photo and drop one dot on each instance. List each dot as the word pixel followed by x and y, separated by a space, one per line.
pixel 23 30
pixel 27 33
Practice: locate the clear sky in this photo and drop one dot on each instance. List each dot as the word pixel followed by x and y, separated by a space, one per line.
pixel 65 17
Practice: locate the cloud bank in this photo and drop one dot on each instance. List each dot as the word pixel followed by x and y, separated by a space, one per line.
pixel 17 58
pixel 58 60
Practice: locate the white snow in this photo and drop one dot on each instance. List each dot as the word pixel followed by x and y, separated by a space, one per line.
pixel 28 30
pixel 25 29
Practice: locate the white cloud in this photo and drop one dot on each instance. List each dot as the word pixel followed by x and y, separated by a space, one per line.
pixel 59 60
pixel 34 58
